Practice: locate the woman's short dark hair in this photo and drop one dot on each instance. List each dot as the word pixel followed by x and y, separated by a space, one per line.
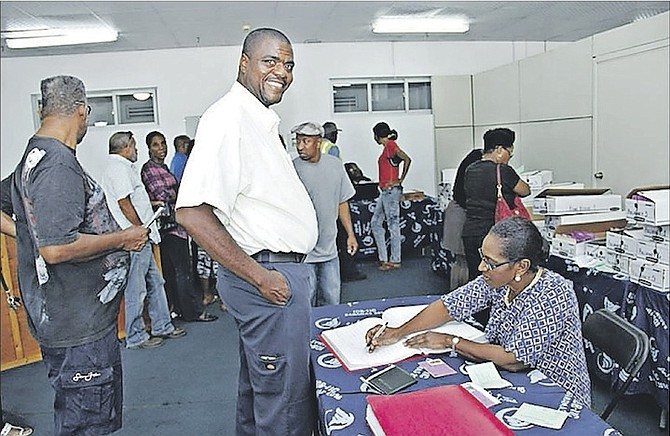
pixel 501 136
pixel 520 239
pixel 382 130
pixel 151 135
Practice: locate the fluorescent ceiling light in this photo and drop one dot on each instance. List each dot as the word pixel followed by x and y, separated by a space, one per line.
pixel 30 33
pixel 420 25
pixel 57 37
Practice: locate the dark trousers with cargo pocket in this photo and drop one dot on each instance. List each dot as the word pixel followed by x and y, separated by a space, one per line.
pixel 275 390
pixel 88 380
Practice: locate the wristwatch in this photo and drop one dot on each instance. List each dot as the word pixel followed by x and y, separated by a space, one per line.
pixel 454 341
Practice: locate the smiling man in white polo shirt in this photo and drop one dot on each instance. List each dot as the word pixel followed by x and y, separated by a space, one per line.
pixel 242 201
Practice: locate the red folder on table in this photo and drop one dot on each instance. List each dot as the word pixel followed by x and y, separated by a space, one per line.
pixel 440 411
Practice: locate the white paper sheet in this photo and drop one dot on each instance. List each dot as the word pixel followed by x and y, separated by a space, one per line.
pixel 540 415
pixel 486 375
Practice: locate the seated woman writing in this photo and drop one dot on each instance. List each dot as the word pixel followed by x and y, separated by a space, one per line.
pixel 534 320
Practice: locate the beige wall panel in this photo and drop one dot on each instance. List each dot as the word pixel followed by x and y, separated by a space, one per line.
pixel 496 95
pixel 635 34
pixel 452 102
pixel 557 84
pixel 563 146
pixel 451 145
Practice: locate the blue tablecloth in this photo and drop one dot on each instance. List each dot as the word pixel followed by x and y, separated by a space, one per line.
pixel 341 403
pixel 420 225
pixel 646 308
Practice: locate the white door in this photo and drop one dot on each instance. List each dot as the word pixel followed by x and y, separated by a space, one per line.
pixel 632 127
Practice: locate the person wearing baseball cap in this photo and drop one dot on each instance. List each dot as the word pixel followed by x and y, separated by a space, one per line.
pixel 329 187
pixel 329 139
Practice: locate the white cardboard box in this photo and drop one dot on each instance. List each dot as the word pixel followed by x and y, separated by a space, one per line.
pixel 537 179
pixel 653 252
pixel 564 201
pixel 653 209
pixel 624 242
pixel 528 200
pixel 596 248
pixel 449 175
pixel 618 262
pixel 553 221
pixel 657 233
pixel 651 275
pixel 567 247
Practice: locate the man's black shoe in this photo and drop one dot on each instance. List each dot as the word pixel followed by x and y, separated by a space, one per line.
pixel 355 277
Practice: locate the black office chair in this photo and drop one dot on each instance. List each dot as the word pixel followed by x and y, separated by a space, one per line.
pixel 626 344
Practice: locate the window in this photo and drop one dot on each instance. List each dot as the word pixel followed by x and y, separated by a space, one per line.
pixel 378 95
pixel 350 98
pixel 102 111
pixel 419 96
pixel 388 97
pixel 115 107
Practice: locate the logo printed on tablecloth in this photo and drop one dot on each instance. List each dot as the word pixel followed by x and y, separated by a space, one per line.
pixel 327 360
pixel 327 323
pixel 656 318
pixel 316 345
pixel 610 305
pixel 505 415
pixel 337 419
pixel 323 388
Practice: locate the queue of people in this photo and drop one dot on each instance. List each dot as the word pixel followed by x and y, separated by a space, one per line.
pixel 269 225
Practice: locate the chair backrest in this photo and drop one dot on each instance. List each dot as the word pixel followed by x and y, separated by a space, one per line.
pixel 626 344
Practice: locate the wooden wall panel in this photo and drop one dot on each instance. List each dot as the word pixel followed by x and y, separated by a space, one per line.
pixel 18 346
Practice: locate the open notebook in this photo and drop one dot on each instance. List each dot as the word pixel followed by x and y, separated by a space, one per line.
pixel 348 342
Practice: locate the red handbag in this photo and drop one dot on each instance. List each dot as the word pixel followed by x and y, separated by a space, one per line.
pixel 503 210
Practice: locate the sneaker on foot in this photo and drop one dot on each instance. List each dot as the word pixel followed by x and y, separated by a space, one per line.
pixel 152 342
pixel 14 430
pixel 178 332
pixel 354 277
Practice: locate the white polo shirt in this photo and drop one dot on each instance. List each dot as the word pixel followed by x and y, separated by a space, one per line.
pixel 121 179
pixel 239 166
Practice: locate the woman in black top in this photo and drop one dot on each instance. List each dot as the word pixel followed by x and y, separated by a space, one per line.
pixel 481 193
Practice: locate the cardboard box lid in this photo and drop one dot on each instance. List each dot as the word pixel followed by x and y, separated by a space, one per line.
pixel 561 192
pixel 587 217
pixel 659 197
pixel 647 188
pixel 599 229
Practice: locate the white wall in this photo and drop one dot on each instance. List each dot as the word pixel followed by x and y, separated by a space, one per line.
pixel 632 105
pixel 595 106
pixel 189 80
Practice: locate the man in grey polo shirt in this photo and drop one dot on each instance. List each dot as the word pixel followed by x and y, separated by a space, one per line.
pixel 329 188
pixel 243 203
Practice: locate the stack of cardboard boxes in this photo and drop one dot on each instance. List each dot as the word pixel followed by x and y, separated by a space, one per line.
pixel 589 224
pixel 539 181
pixel 576 220
pixel 643 250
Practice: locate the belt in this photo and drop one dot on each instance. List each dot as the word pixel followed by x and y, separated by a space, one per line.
pixel 272 257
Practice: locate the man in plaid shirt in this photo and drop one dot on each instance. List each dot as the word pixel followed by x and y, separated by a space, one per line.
pixel 162 187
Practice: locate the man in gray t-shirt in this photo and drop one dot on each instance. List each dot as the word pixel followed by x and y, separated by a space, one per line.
pixel 329 188
pixel 72 265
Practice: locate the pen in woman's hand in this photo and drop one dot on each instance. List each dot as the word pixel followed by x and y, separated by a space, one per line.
pixel 377 334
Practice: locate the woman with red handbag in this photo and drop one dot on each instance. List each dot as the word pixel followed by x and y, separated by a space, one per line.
pixel 481 192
